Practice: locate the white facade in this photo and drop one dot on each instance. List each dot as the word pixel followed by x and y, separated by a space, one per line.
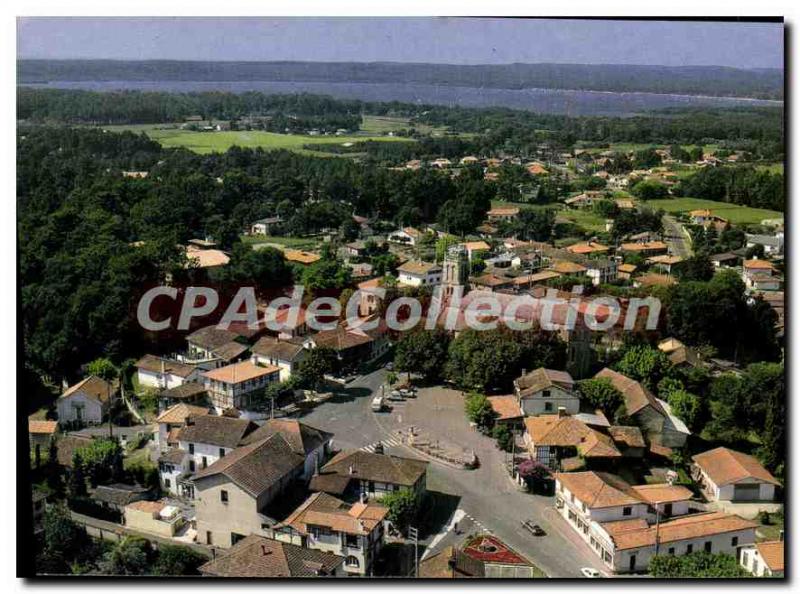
pixel 548 401
pixel 432 277
pixel 746 490
pixel 162 381
pixel 79 407
pixel 750 558
pixel 287 367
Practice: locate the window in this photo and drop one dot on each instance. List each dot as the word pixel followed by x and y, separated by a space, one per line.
pixel 222 452
pixel 668 509
pixel 205 462
pixel 708 546
pixel 671 550
pixel 223 496
pixel 166 483
pixel 548 406
pixel 627 511
pixel 191 465
pixel 352 561
pixel 735 541
pixel 689 549
pixel 191 448
pixel 351 540
pixel 546 393
pixel 209 540
pixel 265 527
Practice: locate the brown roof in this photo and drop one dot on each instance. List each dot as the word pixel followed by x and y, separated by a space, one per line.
pixel 211 337
pixel 42 427
pixel 418 268
pixel 598 490
pixel 630 437
pixel 647 246
pixel 259 557
pixel 172 456
pixel 303 438
pixel 93 386
pixel 688 527
pixel 336 474
pixel 179 413
pixel 587 247
pixel 155 364
pixel 230 350
pixel 275 348
pixel 725 466
pixel 256 467
pixel 758 264
pixel 627 268
pixel 567 267
pixel 490 280
pixel 501 211
pixel 552 430
pixel 772 553
pixel 216 430
pixel 240 372
pixel 506 407
pixel 450 563
pixel 321 509
pixel 662 493
pixel 635 394
pixel 186 391
pixel 340 338
pixel 152 507
pixel 541 379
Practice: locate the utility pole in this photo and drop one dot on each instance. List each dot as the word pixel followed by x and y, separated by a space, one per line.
pixel 658 517
pixel 413 533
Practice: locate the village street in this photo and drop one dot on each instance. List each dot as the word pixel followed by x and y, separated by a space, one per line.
pixel 487 496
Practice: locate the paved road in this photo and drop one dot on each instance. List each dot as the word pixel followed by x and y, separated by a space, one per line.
pixel 487 495
pixel 677 238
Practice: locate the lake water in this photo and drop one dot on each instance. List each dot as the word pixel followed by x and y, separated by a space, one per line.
pixel 538 100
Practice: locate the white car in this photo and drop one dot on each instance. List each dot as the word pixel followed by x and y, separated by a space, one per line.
pixel 590 572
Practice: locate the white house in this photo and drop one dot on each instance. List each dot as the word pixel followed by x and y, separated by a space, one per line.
pixel 325 523
pixel 760 275
pixel 419 274
pixel 172 420
pixel 264 226
pixel 284 354
pixel 763 559
pixel 627 525
pixel 163 374
pixel 405 236
pixel 544 391
pixel 727 475
pixel 231 386
pixel 85 402
pixel 602 270
pixel 772 244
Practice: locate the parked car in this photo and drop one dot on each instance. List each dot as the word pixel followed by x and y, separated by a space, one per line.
pixel 407 393
pixel 590 572
pixel 396 396
pixel 377 404
pixel 534 529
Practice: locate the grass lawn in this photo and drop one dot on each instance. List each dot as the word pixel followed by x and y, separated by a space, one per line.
pixel 289 242
pixel 771 531
pixel 587 219
pixel 140 457
pixel 209 142
pixel 733 212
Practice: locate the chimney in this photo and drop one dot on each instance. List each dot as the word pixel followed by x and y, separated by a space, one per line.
pixel 562 412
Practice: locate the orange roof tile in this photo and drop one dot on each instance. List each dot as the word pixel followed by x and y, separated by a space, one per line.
pixel 239 372
pixel 772 554
pixel 725 466
pixel 506 407
pixel 301 257
pixel 42 427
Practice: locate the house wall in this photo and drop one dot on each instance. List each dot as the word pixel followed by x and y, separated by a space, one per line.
pixel 224 394
pixel 159 380
pixel 145 521
pixel 720 543
pixel 239 515
pixel 414 280
pixel 210 452
pixel 751 560
pixel 92 410
pixel 536 404
pixel 169 472
pixel 766 491
pixel 286 367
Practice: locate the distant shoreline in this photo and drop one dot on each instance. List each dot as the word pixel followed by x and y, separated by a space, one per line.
pixel 56 83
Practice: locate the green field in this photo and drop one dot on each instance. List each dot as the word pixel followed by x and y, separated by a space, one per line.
pixel 734 213
pixel 209 142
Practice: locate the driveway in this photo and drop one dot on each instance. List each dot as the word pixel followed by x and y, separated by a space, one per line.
pixel 486 496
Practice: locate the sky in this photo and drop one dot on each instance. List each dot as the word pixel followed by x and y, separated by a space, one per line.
pixel 430 40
